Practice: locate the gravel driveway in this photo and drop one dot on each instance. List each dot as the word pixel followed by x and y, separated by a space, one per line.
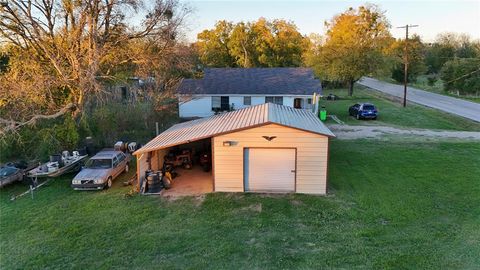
pixel 467 109
pixel 346 132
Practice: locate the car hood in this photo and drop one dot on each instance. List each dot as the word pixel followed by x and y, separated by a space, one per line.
pixel 87 174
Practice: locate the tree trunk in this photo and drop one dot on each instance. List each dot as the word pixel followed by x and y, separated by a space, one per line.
pixel 350 89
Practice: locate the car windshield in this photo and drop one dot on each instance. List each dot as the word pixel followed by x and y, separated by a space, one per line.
pixel 99 163
pixel 369 107
pixel 7 171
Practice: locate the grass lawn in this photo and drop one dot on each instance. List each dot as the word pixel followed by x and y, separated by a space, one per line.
pixel 391 205
pixel 393 114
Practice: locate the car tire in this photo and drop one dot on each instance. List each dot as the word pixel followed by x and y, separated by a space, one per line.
pixel 126 168
pixel 109 183
pixel 374 118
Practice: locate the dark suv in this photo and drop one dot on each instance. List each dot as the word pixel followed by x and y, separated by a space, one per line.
pixel 363 111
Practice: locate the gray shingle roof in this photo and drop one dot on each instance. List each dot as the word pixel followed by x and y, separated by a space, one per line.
pixel 250 81
pixel 228 122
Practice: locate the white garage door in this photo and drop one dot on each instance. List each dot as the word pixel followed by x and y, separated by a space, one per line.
pixel 269 170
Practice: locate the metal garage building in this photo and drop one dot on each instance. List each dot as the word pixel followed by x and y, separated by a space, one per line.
pixel 263 148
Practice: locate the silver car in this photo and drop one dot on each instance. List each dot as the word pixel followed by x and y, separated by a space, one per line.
pixel 100 171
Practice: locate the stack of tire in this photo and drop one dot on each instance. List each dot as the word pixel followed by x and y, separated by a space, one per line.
pixel 154 183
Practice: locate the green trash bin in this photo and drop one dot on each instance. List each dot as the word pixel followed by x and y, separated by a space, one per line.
pixel 323 114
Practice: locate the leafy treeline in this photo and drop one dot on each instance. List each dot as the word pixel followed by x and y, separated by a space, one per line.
pixel 354 46
pixel 453 58
pixel 357 43
pixel 106 124
pixel 59 60
pixel 59 56
pixel 262 43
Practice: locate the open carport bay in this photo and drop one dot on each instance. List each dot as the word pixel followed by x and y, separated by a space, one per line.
pixel 190 181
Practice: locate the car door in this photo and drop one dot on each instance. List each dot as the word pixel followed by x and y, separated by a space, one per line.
pixel 116 166
pixel 122 161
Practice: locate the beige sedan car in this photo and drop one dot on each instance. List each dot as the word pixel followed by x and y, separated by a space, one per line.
pixel 100 171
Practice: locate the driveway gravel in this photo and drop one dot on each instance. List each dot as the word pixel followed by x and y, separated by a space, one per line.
pixel 347 132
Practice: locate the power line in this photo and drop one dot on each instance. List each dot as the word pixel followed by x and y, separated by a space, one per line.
pixel 463 76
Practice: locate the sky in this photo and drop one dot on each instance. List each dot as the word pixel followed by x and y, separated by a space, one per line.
pixel 433 17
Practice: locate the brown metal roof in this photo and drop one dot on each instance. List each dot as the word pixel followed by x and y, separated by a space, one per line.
pixel 236 120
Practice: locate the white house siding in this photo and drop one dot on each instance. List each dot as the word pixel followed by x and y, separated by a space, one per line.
pixel 257 100
pixel 312 154
pixel 201 106
pixel 237 102
pixel 288 101
pixel 195 106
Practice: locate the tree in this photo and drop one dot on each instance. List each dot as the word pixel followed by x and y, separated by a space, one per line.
pixel 354 45
pixel 462 75
pixel 212 45
pixel 446 47
pixel 62 53
pixel 242 45
pixel 288 44
pixel 262 43
pixel 416 57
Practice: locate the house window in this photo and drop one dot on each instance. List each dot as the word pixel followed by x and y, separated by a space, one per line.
pixel 309 103
pixel 216 103
pixel 276 100
pixel 297 103
pixel 247 101
pixel 220 103
pixel 225 104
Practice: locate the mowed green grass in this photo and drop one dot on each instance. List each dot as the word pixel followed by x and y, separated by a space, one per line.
pixel 392 113
pixel 391 205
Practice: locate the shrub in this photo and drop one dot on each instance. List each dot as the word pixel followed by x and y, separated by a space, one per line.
pixel 462 75
pixel 106 124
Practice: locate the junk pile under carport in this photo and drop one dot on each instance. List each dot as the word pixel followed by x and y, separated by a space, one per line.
pixel 156 181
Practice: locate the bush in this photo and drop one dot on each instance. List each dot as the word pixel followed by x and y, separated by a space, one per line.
pixel 432 79
pixel 39 142
pixel 127 122
pixel 105 124
pixel 462 75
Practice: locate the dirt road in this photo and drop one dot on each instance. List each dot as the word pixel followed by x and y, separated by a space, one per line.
pixel 347 132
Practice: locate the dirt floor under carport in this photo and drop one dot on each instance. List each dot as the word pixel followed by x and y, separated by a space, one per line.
pixel 191 182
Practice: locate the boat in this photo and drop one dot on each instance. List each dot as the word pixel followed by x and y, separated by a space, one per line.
pixel 58 165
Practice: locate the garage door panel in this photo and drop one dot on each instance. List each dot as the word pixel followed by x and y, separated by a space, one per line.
pixel 269 169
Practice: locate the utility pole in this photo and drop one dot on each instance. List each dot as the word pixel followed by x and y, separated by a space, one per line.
pixel 405 65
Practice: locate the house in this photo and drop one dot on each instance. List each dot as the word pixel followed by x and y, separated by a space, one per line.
pixel 225 89
pixel 132 89
pixel 261 148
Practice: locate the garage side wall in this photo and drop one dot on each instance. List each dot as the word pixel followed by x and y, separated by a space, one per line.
pixel 142 166
pixel 312 149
